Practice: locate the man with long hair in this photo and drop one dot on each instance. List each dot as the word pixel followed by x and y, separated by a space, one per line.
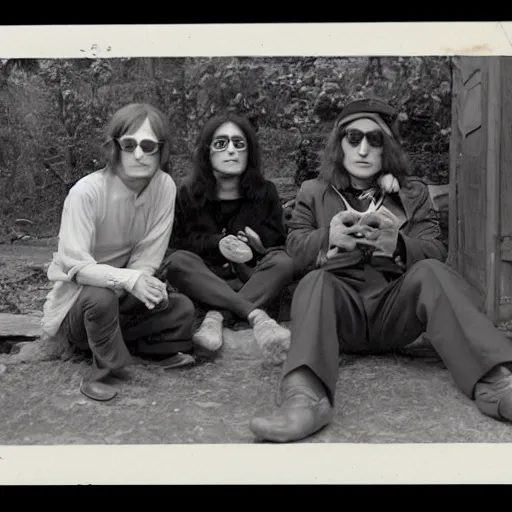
pixel 115 227
pixel 230 226
pixel 376 280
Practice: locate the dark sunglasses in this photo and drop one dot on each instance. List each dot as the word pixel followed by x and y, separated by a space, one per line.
pixel 354 137
pixel 221 143
pixel 148 146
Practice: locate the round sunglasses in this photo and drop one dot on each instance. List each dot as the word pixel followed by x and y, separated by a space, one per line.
pixel 128 144
pixel 354 137
pixel 221 143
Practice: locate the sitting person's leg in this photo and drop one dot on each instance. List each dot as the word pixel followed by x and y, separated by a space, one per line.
pixel 271 275
pixel 433 298
pixel 192 277
pixel 161 332
pixel 326 314
pixel 264 284
pixel 92 324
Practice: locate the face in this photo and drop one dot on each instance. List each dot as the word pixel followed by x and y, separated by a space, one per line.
pixel 136 167
pixel 229 150
pixel 362 160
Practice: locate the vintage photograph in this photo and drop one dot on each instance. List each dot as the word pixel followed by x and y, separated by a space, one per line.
pixel 255 249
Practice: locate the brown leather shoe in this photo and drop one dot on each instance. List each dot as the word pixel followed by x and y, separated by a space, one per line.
pixel 301 415
pixel 493 394
pixel 121 374
pixel 97 390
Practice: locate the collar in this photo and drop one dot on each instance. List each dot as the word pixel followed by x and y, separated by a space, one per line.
pixel 121 190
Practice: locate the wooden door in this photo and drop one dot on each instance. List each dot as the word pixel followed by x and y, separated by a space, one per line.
pixel 505 187
pixel 474 176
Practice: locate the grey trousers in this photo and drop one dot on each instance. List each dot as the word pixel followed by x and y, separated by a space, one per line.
pixel 191 276
pixel 113 330
pixel 333 312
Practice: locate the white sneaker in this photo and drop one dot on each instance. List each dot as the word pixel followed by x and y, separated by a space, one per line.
pixel 272 339
pixel 209 334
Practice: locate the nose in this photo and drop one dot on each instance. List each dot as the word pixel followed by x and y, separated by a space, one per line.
pixel 138 153
pixel 363 147
pixel 231 147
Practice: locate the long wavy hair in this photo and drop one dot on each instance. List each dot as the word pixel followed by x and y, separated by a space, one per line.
pixel 200 185
pixel 394 159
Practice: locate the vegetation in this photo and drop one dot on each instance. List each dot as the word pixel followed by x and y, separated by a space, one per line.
pixel 52 113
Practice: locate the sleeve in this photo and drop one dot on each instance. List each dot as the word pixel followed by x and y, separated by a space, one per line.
pixel 305 239
pixel 148 253
pixel 307 243
pixel 73 260
pixel 187 233
pixel 272 231
pixel 422 239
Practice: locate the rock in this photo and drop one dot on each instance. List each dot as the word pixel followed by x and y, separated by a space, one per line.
pixel 207 405
pixel 27 326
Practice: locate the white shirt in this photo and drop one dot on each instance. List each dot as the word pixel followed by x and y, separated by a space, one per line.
pixel 110 236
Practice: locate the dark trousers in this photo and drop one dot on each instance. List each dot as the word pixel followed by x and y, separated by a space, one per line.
pixel 330 315
pixel 191 276
pixel 112 329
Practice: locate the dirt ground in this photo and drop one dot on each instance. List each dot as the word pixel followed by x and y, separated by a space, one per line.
pixel 384 399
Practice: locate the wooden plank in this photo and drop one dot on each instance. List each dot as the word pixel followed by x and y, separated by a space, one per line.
pixel 468 67
pixel 506 149
pixel 471 210
pixel 15 326
pixel 493 95
pixel 472 111
pixel 505 278
pixel 455 162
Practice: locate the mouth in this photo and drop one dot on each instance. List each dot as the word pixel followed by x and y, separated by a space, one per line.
pixel 363 163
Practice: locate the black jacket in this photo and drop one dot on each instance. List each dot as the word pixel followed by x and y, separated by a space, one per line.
pixel 197 230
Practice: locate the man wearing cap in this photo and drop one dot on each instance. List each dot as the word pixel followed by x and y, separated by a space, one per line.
pixel 375 280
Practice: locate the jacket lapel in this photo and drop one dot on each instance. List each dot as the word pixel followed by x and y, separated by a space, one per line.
pixel 401 212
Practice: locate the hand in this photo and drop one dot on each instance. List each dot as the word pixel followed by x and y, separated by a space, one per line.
pixel 254 240
pixel 234 249
pixel 388 183
pixel 344 231
pixel 400 263
pixel 242 236
pixel 380 230
pixel 150 290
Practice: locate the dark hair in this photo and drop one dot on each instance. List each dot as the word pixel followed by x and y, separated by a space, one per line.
pixel 394 159
pixel 128 119
pixel 200 185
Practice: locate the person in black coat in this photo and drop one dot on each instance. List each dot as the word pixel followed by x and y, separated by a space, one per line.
pixel 229 226
pixel 376 279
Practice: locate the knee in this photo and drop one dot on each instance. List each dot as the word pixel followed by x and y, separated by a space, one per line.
pixel 312 277
pixel 99 301
pixel 183 309
pixel 285 264
pixel 425 270
pixel 180 259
